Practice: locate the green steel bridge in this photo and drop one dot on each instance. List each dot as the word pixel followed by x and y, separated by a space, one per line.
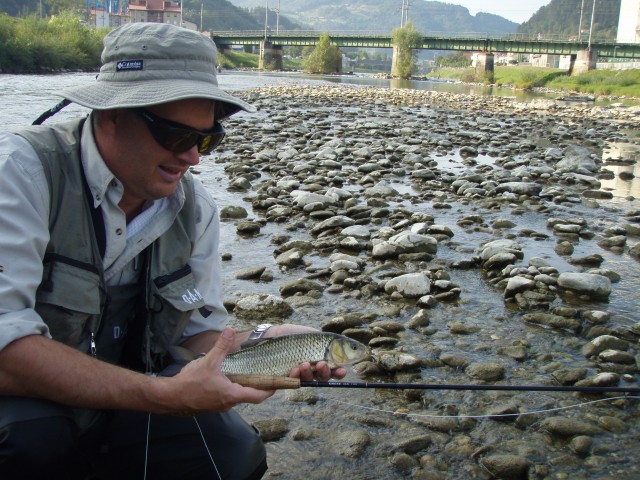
pixel 476 42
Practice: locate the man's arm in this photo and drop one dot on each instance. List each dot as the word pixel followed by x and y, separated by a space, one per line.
pixel 36 366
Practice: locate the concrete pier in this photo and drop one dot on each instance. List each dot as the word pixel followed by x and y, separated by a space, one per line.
pixel 484 66
pixel 583 62
pixel 270 56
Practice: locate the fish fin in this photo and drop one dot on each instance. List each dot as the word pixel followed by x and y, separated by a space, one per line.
pixel 253 343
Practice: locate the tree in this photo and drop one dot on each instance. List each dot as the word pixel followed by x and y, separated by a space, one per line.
pixel 405 41
pixel 324 58
pixel 455 60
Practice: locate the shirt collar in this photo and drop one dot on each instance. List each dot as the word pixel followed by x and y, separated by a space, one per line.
pixel 98 175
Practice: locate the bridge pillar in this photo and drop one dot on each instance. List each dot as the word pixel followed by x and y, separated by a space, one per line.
pixel 395 58
pixel 222 49
pixel 484 66
pixel 584 61
pixel 270 56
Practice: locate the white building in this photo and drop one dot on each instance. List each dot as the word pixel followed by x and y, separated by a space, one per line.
pixel 629 23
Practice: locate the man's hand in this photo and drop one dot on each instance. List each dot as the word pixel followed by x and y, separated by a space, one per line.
pixel 204 388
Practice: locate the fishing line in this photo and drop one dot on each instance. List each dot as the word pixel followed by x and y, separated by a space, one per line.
pixel 146 447
pixel 534 412
pixel 215 468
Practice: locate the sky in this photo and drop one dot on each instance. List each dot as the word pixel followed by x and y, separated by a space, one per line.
pixel 518 11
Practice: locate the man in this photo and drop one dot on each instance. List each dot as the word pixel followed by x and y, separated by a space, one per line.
pixel 108 258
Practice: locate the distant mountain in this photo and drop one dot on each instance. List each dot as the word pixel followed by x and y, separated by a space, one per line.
pixel 213 14
pixel 562 17
pixel 384 15
pixel 222 15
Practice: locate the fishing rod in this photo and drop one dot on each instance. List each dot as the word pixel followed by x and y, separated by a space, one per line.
pixel 278 383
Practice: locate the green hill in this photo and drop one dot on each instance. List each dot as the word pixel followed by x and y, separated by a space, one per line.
pixel 385 15
pixel 562 17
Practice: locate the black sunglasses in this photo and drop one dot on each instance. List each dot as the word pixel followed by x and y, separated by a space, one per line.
pixel 177 137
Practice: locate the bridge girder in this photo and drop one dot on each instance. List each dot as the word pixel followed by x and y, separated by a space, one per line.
pixel 461 43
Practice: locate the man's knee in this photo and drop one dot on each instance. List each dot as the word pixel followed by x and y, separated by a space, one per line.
pixel 38 447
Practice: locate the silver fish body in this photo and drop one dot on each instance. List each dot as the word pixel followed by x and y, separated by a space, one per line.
pixel 277 356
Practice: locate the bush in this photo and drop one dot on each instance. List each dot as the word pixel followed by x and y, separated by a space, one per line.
pixel 32 44
pixel 324 58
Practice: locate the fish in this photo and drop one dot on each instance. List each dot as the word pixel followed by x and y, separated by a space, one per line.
pixel 277 356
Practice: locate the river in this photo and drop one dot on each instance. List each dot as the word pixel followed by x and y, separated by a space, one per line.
pixel 363 434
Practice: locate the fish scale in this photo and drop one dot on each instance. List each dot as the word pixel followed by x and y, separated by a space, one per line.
pixel 277 356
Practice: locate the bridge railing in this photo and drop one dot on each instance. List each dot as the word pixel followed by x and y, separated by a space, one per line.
pixel 434 34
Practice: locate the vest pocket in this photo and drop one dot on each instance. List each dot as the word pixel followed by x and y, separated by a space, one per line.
pixel 67 298
pixel 173 296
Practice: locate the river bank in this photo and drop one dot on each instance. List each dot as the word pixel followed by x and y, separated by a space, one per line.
pixel 466 239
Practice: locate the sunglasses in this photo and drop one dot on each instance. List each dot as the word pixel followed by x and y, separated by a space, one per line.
pixel 177 137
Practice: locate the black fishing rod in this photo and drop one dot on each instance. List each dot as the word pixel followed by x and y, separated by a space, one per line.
pixel 277 383
pixel 435 386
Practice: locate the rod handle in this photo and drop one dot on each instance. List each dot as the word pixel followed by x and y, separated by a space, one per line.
pixel 265 382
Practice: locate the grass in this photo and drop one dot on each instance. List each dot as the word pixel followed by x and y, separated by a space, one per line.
pixel 618 83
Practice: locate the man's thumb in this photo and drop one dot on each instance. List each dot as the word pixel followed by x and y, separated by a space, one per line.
pixel 223 345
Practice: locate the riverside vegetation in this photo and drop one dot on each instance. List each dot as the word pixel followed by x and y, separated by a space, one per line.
pixel 63 42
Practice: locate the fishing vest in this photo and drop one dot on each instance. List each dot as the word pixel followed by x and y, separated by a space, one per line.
pixel 73 298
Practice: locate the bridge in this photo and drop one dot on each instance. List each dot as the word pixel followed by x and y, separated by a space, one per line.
pixel 583 53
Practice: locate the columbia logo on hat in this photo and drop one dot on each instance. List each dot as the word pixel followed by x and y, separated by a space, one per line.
pixel 125 65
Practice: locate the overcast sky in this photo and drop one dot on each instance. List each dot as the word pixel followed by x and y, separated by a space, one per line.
pixel 515 10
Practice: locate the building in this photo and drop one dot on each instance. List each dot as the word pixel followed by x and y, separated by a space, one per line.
pixel 155 11
pixel 107 13
pixel 629 23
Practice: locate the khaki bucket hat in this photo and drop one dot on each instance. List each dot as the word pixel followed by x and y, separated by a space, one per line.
pixel 147 64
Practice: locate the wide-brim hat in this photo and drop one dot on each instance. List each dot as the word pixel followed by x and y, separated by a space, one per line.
pixel 146 64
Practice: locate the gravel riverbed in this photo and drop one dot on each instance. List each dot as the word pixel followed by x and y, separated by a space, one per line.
pixel 467 239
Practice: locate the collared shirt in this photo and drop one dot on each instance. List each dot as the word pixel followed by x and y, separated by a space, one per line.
pixel 24 235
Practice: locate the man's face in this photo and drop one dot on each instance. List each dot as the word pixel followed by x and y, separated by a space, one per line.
pixel 147 170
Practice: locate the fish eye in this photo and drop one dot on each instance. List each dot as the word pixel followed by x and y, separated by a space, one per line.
pixel 354 346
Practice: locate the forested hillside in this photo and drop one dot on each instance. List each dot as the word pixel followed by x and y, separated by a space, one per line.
pixel 385 15
pixel 216 14
pixel 562 17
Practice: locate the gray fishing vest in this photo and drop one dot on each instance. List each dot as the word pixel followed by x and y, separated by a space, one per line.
pixel 73 299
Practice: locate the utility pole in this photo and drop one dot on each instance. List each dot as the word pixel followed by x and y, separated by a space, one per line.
pixel 266 17
pixel 201 14
pixel 580 27
pixel 278 18
pixel 404 19
pixel 593 14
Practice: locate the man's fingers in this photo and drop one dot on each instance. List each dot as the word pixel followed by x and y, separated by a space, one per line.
pixel 222 347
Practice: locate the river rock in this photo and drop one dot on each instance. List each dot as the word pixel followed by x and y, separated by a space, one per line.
pixel 233 212
pixel 577 160
pixel 507 467
pixel 290 258
pixel 488 371
pixel 553 321
pixel 262 306
pixel 409 285
pixel 595 286
pixel 602 343
pixel 520 188
pixel 398 361
pixel 568 427
pixel 272 429
pixel 301 285
pixel 351 443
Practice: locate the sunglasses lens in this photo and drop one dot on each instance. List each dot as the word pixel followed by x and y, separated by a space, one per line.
pixel 208 143
pixel 177 138
pixel 180 141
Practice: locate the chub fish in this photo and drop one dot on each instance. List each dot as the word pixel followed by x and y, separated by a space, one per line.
pixel 278 355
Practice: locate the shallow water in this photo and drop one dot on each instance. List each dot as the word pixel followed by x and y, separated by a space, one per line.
pixel 480 305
